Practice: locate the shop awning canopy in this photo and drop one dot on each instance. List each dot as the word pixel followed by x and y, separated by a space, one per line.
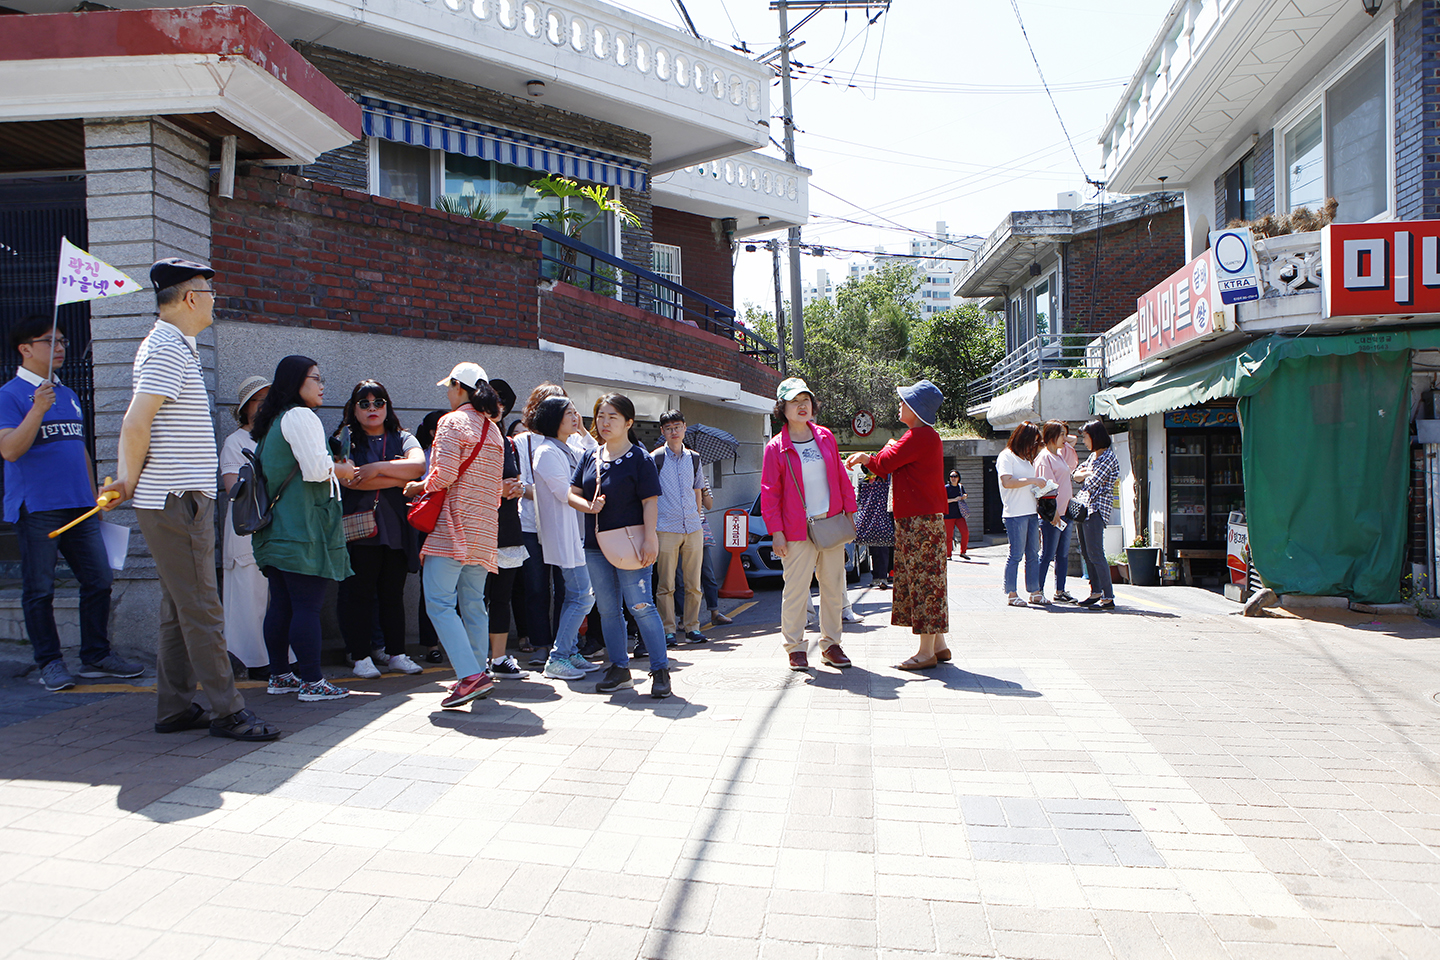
pixel 1243 371
pixel 436 131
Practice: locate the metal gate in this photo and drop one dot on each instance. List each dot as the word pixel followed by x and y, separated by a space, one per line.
pixel 34 215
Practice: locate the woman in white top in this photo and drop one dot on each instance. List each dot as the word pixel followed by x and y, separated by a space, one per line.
pixel 1055 462
pixel 1019 484
pixel 247 592
pixel 561 535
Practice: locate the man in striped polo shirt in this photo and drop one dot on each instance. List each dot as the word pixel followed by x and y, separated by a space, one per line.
pixel 168 464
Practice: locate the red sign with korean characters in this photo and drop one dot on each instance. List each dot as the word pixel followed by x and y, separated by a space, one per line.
pixel 1381 269
pixel 1178 311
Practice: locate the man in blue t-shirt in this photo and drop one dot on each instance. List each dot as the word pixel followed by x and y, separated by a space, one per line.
pixel 49 481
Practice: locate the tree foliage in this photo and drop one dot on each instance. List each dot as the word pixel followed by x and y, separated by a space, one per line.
pixel 872 338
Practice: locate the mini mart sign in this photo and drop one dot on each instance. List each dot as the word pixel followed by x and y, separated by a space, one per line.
pixel 1381 269
pixel 1184 309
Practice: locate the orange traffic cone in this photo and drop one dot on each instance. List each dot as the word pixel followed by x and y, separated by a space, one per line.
pixel 736 587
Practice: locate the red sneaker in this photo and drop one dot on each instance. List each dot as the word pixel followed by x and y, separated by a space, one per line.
pixel 835 657
pixel 798 661
pixel 470 688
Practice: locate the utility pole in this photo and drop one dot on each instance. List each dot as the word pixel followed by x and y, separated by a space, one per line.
pixel 774 247
pixel 797 311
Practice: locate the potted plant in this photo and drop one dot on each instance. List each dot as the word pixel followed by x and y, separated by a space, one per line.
pixel 572 217
pixel 1119 569
pixel 1144 562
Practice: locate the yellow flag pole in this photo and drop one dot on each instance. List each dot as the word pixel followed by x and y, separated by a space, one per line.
pixel 103 499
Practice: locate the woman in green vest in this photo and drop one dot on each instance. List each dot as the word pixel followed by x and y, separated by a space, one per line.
pixel 304 545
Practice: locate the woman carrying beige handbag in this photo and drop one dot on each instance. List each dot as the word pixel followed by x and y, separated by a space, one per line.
pixel 617 488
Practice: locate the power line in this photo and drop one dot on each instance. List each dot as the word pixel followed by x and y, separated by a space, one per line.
pixel 907 85
pixel 685 15
pixel 1015 5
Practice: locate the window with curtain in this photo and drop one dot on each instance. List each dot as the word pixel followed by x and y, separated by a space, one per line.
pixel 1358 155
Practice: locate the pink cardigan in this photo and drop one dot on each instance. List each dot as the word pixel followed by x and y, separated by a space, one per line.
pixel 781 505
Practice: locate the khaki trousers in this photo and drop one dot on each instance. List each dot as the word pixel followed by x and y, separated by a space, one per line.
pixel 802 562
pixel 191 645
pixel 688 550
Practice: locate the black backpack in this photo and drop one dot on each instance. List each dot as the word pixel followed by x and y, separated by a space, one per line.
pixel 251 507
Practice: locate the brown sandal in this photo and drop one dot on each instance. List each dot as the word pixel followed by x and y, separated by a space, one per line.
pixel 943 655
pixel 913 664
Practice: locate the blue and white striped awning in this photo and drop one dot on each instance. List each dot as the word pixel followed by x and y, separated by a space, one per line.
pixel 436 131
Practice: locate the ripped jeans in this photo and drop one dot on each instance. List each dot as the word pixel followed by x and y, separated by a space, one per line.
pixel 611 586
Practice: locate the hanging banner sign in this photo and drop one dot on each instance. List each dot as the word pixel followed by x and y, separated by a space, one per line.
pixel 1180 311
pixel 1237 277
pixel 83 277
pixel 1381 269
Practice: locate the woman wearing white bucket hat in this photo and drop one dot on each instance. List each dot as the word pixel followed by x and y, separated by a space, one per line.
pixel 247 592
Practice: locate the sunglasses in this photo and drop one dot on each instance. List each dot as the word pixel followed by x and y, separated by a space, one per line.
pixel 370 404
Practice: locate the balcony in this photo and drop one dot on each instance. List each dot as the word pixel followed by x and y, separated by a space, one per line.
pixel 695 100
pixel 1209 81
pixel 746 187
pixel 1050 377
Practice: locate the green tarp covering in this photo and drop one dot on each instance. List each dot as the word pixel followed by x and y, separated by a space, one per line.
pixel 1325 422
pixel 1327 464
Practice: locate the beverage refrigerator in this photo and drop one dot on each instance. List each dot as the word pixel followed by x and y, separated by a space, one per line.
pixel 1205 485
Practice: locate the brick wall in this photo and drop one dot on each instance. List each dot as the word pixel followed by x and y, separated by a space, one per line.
pixel 1417 111
pixel 292 251
pixel 588 320
pixel 1134 256
pixel 705 264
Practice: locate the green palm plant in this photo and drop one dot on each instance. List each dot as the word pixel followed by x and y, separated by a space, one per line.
pixel 475 206
pixel 572 219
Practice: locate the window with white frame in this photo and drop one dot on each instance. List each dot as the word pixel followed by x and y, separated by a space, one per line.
pixel 1338 148
pixel 665 260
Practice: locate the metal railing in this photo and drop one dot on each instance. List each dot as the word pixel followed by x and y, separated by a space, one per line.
pixel 572 261
pixel 1045 356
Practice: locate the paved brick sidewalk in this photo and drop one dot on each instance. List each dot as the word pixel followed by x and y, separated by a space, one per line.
pixel 1170 780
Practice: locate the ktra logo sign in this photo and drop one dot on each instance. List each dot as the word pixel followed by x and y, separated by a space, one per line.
pixel 1381 269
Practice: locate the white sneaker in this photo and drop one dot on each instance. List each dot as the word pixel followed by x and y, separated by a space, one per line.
pixel 850 616
pixel 562 670
pixel 404 664
pixel 366 669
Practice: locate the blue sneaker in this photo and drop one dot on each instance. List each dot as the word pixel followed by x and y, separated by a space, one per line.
pixel 56 676
pixel 580 663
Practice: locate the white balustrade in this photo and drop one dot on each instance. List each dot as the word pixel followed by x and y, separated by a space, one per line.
pixel 742 173
pixel 1289 264
pixel 617 43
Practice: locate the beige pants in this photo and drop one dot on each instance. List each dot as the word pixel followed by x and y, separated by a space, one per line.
pixel 802 562
pixel 191 643
pixel 688 551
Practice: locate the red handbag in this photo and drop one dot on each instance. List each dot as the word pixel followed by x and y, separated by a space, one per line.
pixel 424 512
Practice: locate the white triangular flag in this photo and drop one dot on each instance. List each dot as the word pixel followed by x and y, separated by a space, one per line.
pixel 84 277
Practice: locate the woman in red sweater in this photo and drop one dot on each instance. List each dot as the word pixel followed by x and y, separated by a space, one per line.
pixel 918 466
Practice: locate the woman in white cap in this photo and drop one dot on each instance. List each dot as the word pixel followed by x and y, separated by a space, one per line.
pixel 801 480
pixel 466 461
pixel 917 463
pixel 247 592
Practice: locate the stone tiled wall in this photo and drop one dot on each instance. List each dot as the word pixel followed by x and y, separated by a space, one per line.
pixel 1417 111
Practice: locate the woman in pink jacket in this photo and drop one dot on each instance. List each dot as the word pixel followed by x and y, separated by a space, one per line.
pixel 803 477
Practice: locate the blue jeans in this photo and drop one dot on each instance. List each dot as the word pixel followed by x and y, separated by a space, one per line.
pixel 579 600
pixel 463 632
pixel 709 589
pixel 1024 534
pixel 292 623
pixel 1092 548
pixel 611 586
pixel 84 550
pixel 1055 545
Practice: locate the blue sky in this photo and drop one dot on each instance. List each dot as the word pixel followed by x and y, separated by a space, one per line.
pixel 945 119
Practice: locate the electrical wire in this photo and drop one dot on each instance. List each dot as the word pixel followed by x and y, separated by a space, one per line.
pixel 906 85
pixel 1015 5
pixel 685 15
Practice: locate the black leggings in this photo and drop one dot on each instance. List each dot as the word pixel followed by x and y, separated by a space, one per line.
pixel 499 588
pixel 378 582
pixel 292 622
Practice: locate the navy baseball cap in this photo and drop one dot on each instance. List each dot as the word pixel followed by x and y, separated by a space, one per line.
pixel 173 270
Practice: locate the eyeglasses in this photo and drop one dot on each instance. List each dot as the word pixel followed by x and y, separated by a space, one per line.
pixel 57 341
pixel 318 379
pixel 671 427
pixel 209 290
pixel 370 404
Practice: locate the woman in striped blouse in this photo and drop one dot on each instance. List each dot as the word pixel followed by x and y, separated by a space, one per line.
pixel 466 460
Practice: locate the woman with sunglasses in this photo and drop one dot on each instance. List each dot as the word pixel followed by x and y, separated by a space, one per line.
pixel 304 545
pixel 386 458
